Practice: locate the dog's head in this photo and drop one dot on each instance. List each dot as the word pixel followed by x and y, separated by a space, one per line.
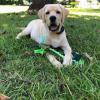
pixel 53 15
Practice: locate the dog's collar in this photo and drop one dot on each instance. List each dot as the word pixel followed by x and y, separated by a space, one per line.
pixel 61 30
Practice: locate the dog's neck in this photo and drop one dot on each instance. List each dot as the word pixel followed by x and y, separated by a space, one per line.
pixel 61 30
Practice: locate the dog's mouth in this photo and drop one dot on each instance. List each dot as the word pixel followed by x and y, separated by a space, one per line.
pixel 54 27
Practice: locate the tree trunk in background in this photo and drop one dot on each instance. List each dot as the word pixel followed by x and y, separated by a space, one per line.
pixel 69 1
pixel 37 4
pixel 2 2
pixel 20 2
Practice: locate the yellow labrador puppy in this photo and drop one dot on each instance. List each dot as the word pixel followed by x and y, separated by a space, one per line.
pixel 50 26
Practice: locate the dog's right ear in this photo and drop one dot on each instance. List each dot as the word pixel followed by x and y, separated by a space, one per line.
pixel 41 13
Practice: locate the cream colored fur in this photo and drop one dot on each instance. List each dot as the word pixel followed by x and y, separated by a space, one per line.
pixel 39 27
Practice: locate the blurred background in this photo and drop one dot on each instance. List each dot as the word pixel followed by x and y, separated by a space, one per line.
pixel 33 5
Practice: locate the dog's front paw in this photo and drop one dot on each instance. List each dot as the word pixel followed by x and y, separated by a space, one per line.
pixel 67 61
pixel 54 61
pixel 58 64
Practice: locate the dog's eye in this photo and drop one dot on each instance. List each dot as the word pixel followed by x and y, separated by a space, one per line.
pixel 47 12
pixel 58 12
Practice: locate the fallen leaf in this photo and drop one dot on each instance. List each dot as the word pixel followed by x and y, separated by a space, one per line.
pixel 27 53
pixel 4 97
pixel 98 31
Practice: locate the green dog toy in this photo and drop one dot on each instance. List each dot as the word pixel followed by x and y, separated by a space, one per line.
pixel 76 59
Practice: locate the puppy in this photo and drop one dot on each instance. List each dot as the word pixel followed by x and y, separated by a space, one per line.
pixel 50 26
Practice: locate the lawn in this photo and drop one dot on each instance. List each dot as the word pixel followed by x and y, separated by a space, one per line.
pixel 27 76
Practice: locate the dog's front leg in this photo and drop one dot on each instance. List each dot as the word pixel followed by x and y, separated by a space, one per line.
pixel 54 61
pixel 68 54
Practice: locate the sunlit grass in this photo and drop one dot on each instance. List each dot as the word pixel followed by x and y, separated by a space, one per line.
pixel 89 12
pixel 12 8
pixel 85 10
pixel 26 76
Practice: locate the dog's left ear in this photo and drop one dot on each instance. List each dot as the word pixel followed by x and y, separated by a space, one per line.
pixel 41 13
pixel 65 12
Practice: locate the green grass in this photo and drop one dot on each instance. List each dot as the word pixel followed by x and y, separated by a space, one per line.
pixel 31 77
pixel 85 10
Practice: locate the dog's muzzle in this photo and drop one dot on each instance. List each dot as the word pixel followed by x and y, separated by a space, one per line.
pixel 53 26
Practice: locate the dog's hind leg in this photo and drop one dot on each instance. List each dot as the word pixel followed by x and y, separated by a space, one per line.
pixel 26 31
pixel 23 33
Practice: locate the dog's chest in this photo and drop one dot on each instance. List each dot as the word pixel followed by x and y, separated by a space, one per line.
pixel 54 41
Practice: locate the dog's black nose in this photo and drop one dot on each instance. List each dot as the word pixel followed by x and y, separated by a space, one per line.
pixel 52 18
